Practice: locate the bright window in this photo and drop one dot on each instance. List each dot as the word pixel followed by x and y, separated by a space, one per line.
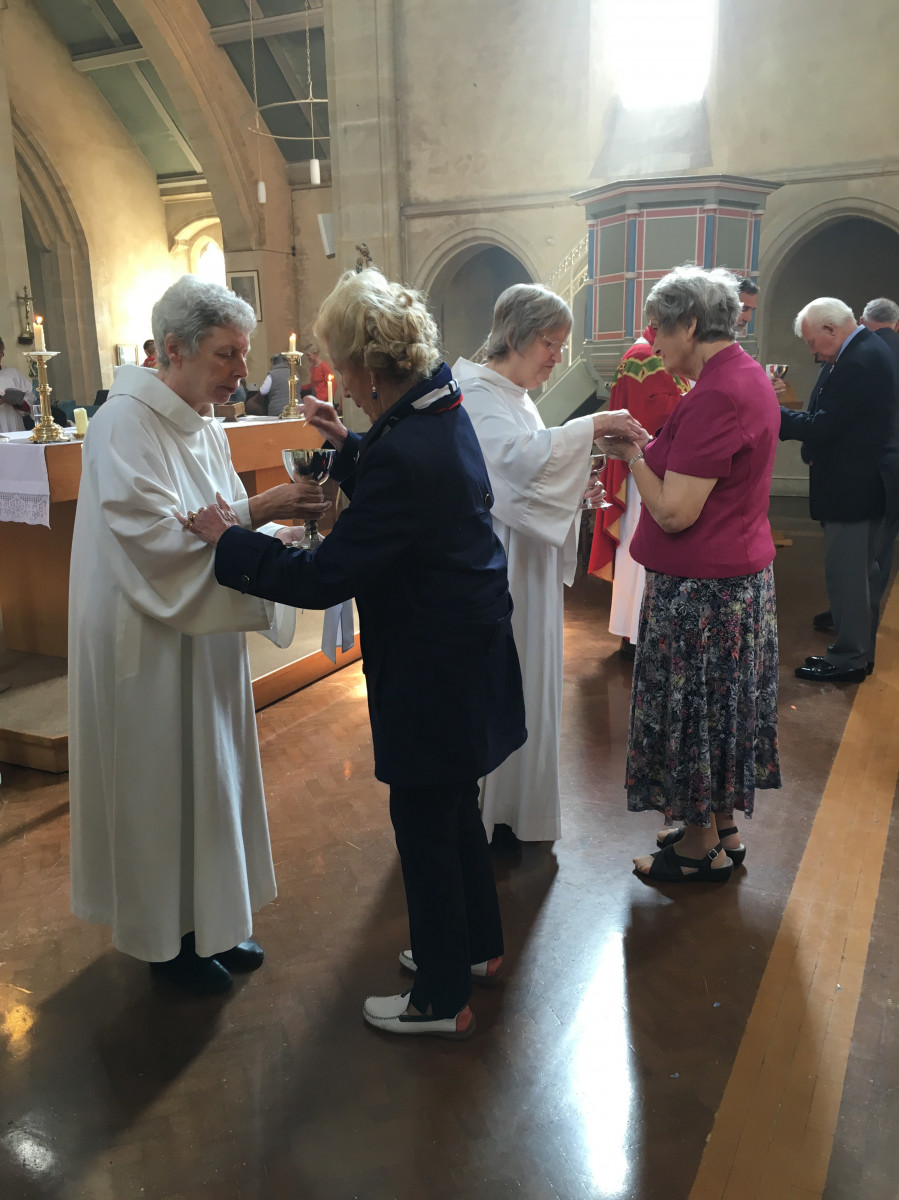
pixel 211 263
pixel 660 51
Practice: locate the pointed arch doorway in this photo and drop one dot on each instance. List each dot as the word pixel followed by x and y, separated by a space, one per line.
pixel 59 267
pixel 464 292
pixel 854 258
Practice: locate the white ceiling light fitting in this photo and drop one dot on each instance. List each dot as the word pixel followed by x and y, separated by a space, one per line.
pixel 315 173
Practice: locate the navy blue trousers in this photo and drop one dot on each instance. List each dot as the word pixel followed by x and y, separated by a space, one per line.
pixel 447 868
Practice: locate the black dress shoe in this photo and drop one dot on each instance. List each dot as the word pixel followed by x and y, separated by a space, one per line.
pixel 825 672
pixel 627 649
pixel 203 976
pixel 823 621
pixel 813 660
pixel 245 956
pixel 504 843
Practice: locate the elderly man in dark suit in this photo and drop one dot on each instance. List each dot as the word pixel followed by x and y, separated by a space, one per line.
pixel 849 436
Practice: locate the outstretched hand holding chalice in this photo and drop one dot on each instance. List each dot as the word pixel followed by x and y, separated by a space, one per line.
pixel 299 500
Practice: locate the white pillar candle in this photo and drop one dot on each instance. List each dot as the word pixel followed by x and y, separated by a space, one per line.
pixel 330 389
pixel 39 334
pixel 293 343
pixel 80 415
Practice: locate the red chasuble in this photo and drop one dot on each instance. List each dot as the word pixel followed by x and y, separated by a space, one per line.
pixel 649 393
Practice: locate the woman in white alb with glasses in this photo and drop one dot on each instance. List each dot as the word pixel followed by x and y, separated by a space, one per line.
pixel 538 477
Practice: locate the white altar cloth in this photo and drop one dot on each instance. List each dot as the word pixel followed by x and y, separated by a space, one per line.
pixel 24 486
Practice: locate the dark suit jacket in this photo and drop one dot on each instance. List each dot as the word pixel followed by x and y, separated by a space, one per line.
pixel 889 467
pixel 890 339
pixel 850 435
pixel 416 548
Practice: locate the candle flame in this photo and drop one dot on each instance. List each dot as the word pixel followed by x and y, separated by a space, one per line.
pixel 38 320
pixel 330 379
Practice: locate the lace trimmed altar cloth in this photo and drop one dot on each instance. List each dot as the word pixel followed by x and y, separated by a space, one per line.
pixel 24 485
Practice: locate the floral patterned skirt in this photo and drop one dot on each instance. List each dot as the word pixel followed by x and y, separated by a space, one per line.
pixel 703 725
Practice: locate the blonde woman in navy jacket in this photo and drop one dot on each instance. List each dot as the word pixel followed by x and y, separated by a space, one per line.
pixel 416 549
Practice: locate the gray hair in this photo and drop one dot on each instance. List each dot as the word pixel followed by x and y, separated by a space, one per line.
pixel 711 298
pixel 882 310
pixel 826 310
pixel 519 315
pixel 191 308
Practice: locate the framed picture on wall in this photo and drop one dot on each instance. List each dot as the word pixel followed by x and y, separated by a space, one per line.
pixel 126 356
pixel 246 285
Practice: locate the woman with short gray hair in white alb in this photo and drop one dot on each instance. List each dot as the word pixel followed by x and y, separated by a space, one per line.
pixel 170 841
pixel 539 476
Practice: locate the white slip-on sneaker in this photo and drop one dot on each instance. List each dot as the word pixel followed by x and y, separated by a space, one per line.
pixel 484 972
pixel 389 1014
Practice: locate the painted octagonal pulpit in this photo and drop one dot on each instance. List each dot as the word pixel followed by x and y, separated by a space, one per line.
pixel 639 229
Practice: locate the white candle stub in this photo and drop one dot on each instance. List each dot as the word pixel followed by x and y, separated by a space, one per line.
pixel 39 334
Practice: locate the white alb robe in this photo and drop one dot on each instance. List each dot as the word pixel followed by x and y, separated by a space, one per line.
pixel 538 477
pixel 169 830
pixel 629 580
pixel 11 419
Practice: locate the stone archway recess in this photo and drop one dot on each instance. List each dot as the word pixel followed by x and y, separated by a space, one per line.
pixel 463 306
pixel 848 248
pixel 475 239
pixel 67 276
pixel 784 238
pixel 183 242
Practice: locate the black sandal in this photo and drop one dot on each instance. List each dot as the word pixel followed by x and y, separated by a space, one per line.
pixel 667 867
pixel 735 856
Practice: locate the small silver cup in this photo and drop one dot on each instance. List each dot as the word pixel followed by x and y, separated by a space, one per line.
pixel 314 465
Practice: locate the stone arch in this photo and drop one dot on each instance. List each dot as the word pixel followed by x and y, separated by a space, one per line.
pixel 848 249
pixel 786 236
pixel 464 286
pixel 60 268
pixel 826 226
pixel 472 239
pixel 187 242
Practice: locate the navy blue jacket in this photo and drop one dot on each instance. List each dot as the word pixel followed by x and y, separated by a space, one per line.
pixel 416 549
pixel 849 434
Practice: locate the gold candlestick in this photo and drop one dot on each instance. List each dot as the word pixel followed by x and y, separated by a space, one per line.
pixel 291 411
pixel 46 429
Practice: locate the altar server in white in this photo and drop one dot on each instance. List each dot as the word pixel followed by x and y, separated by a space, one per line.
pixel 539 477
pixel 170 842
pixel 12 414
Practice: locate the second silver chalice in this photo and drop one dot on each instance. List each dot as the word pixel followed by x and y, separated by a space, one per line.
pixel 314 465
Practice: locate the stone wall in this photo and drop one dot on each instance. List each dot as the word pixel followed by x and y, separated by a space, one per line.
pixel 107 181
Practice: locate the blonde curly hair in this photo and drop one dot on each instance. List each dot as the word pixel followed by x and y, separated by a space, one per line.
pixel 383 326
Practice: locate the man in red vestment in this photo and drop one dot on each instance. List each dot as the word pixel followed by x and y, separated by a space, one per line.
pixel 645 389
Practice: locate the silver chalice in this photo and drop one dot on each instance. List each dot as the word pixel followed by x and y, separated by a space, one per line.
pixel 314 465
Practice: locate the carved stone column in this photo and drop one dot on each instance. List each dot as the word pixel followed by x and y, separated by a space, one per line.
pixel 359 37
pixel 13 256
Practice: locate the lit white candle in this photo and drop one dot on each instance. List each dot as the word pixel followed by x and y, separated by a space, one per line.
pixel 39 334
pixel 80 416
pixel 293 343
pixel 330 389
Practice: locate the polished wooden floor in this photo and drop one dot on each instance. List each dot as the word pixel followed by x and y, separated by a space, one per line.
pixel 667 1043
